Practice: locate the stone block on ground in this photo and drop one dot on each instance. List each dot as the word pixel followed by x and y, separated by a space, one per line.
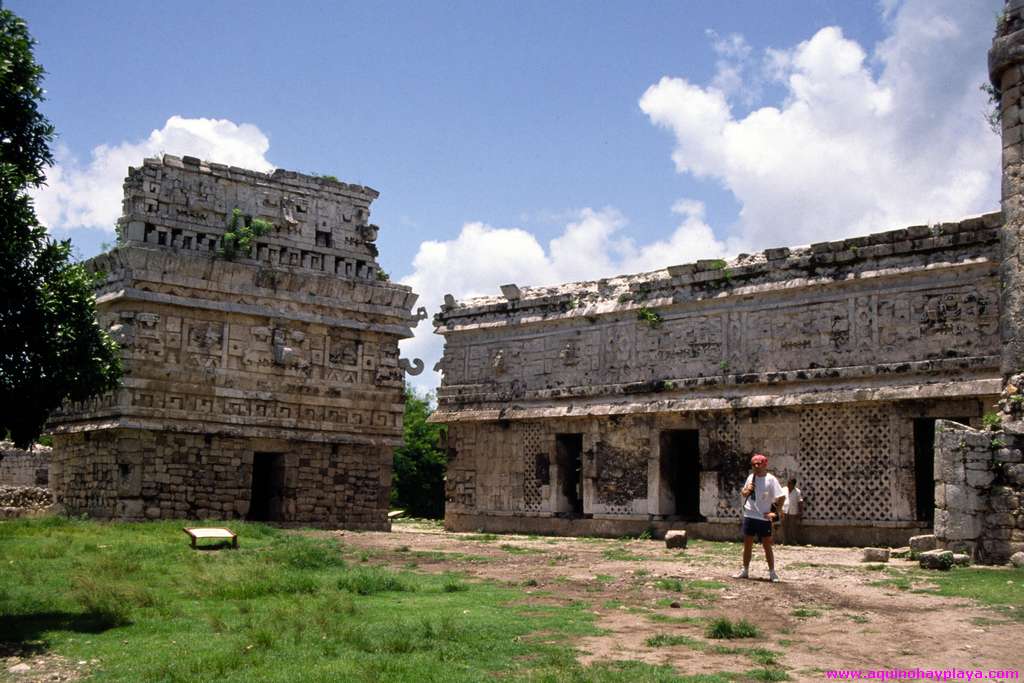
pixel 1017 560
pixel 961 559
pixel 675 539
pixel 923 543
pixel 900 553
pixel 875 555
pixel 936 559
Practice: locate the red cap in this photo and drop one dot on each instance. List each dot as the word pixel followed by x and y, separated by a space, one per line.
pixel 758 458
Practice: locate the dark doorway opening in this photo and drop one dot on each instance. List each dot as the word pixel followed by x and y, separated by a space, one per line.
pixel 679 463
pixel 265 503
pixel 569 458
pixel 924 465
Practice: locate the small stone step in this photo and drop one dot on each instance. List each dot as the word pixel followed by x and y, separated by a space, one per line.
pixel 675 539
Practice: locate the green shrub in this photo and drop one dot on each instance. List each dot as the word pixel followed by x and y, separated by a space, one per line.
pixel 723 628
pixel 241 233
pixel 308 556
pixel 453 585
pixel 370 580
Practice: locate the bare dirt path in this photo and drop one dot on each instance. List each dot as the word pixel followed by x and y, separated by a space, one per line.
pixel 831 611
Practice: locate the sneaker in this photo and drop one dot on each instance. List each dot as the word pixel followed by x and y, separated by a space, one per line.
pixel 773 577
pixel 741 574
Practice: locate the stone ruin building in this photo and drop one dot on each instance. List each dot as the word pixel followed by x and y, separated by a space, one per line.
pixel 612 406
pixel 635 402
pixel 979 475
pixel 267 386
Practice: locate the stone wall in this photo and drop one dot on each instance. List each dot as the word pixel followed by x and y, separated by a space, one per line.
pixel 293 343
pixel 855 464
pixel 24 468
pixel 923 300
pixel 139 474
pixel 830 358
pixel 979 491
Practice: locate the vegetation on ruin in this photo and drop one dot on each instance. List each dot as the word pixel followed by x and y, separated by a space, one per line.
pixel 992 421
pixel 241 234
pixel 417 479
pixel 648 317
pixel 51 347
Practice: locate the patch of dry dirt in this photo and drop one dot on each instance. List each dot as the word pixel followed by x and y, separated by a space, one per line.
pixel 43 667
pixel 825 614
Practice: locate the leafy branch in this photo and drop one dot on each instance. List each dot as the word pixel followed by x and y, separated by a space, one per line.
pixel 241 233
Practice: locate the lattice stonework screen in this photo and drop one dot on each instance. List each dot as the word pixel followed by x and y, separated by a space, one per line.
pixel 723 437
pixel 533 449
pixel 846 458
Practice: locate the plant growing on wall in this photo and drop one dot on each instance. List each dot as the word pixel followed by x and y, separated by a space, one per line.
pixel 241 234
pixel 649 317
pixel 992 421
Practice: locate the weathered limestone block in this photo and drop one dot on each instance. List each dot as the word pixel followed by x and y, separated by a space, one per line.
pixel 1017 560
pixel 963 527
pixel 1014 474
pixel 675 539
pixel 922 543
pixel 980 479
pixel 936 559
pixel 1011 455
pixel 1004 499
pixel 961 559
pixel 875 555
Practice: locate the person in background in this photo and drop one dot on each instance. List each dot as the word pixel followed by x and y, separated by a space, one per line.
pixel 792 510
pixel 760 492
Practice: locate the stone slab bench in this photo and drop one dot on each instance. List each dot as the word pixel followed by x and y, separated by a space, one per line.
pixel 218 533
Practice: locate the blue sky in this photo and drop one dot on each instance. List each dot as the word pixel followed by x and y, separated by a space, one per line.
pixel 538 142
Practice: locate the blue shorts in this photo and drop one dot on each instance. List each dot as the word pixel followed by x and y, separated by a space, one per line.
pixel 761 528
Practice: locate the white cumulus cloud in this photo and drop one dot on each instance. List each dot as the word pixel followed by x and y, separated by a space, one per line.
pixel 861 141
pixel 88 194
pixel 591 245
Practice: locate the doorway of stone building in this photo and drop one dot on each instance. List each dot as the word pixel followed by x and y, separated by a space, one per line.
pixel 679 466
pixel 265 502
pixel 924 465
pixel 569 459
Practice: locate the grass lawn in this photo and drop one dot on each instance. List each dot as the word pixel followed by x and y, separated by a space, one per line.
pixel 283 607
pixel 1001 589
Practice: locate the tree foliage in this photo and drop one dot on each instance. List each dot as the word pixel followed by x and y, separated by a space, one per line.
pixel 51 347
pixel 417 481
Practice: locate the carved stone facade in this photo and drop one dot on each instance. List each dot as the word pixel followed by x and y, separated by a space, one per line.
pixel 636 401
pixel 267 386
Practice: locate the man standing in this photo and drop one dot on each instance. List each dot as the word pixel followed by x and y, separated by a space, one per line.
pixel 761 491
pixel 792 510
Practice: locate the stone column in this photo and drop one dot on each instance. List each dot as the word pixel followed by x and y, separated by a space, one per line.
pixel 1005 61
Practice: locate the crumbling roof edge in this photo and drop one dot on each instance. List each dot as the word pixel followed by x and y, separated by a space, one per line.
pixel 563 409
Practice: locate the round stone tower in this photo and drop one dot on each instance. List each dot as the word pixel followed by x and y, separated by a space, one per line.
pixel 1006 70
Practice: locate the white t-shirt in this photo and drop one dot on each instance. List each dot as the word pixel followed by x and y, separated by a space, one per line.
pixel 759 503
pixel 792 504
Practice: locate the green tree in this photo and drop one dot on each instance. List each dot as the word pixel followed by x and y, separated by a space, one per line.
pixel 51 347
pixel 417 481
